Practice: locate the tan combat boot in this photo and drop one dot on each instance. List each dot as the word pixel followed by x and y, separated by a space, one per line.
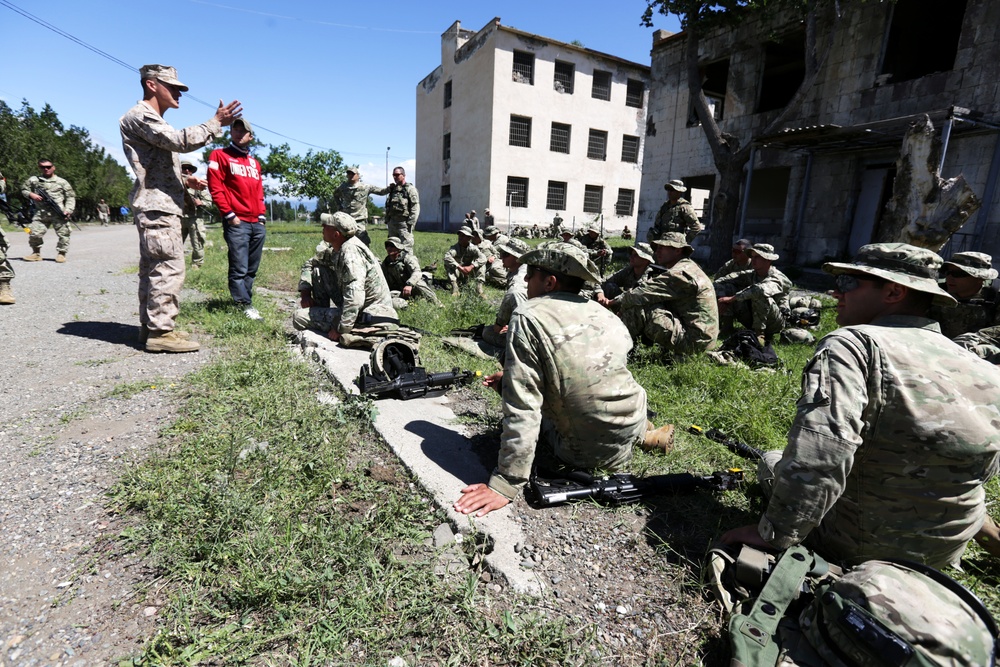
pixel 34 257
pixel 6 294
pixel 169 341
pixel 61 258
pixel 144 334
pixel 660 439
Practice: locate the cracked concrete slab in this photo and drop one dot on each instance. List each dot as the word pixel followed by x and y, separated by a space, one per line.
pixel 425 435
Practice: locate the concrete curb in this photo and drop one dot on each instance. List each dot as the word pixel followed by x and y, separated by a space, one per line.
pixel 425 436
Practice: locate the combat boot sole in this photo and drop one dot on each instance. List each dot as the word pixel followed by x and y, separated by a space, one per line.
pixel 170 342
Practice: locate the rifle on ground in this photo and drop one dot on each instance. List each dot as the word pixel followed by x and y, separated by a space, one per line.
pixel 14 217
pixel 735 446
pixel 55 208
pixel 622 488
pixel 412 383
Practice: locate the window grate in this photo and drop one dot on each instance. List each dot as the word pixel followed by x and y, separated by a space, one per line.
pixel 559 141
pixel 520 131
pixel 517 191
pixel 630 149
pixel 563 79
pixel 524 68
pixel 601 89
pixel 593 198
pixel 597 145
pixel 555 200
pixel 625 200
pixel 446 147
pixel 634 93
pixel 447 94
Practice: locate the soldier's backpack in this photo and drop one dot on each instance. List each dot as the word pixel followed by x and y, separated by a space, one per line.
pixel 743 345
pixel 878 614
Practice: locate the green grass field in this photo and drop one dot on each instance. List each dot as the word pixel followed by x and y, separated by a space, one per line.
pixel 269 516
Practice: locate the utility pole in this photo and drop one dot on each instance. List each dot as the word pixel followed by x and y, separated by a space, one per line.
pixel 387 166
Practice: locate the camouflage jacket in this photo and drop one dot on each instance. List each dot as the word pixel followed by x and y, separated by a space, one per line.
pixel 59 188
pixel 894 436
pixel 192 210
pixel 362 284
pixel 402 204
pixel 353 199
pixel 625 279
pixel 748 285
pixel 322 259
pixel 593 246
pixel 516 294
pixel 968 315
pixel 685 291
pixel 731 268
pixel 152 146
pixel 675 217
pixel 404 271
pixel 565 361
pixel 470 255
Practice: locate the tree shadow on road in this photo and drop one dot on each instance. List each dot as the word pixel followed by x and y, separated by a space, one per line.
pixel 109 332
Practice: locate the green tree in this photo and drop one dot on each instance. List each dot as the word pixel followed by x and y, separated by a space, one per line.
pixel 730 153
pixel 314 175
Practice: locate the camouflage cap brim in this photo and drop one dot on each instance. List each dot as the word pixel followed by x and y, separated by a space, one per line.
pixel 564 258
pixel 907 265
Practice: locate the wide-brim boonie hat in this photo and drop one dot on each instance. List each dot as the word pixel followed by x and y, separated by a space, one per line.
pixel 674 240
pixel 395 242
pixel 976 264
pixel 466 231
pixel 163 73
pixel 564 258
pixel 514 247
pixel 677 185
pixel 644 250
pixel 765 250
pixel 908 265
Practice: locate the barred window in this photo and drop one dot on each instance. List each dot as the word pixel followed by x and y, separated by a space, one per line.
pixel 602 85
pixel 563 80
pixel 625 200
pixel 593 197
pixel 446 147
pixel 630 149
pixel 597 145
pixel 559 141
pixel 517 191
pixel 634 93
pixel 447 94
pixel 520 131
pixel 524 67
pixel 556 198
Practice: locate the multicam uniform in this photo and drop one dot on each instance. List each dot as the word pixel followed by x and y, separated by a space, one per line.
pixel 192 225
pixel 894 437
pixel 675 309
pixel 152 146
pixel 731 268
pixel 318 277
pixel 516 294
pixel 458 256
pixel 566 391
pixel 761 303
pixel 493 272
pixel 63 194
pixel 968 315
pixel 402 208
pixel 678 216
pixel 622 281
pixel 365 295
pixel 405 271
pixel 594 245
pixel 353 200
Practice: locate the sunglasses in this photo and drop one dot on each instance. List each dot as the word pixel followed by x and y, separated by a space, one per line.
pixel 46 166
pixel 847 282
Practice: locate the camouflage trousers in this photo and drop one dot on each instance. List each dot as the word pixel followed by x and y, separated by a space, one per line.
pixel 420 291
pixel 161 269
pixel 762 315
pixel 984 343
pixel 325 288
pixel 457 278
pixel 496 275
pixel 6 270
pixel 325 320
pixel 401 229
pixel 195 228
pixel 40 224
pixel 661 327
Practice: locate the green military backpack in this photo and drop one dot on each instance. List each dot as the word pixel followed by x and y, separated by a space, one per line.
pixel 878 614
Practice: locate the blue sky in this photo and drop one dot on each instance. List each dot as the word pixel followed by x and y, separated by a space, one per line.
pixel 327 75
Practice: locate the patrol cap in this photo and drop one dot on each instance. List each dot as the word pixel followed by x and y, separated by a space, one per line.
pixel 513 247
pixel 643 250
pixel 676 185
pixel 395 242
pixel 189 165
pixel 491 230
pixel 245 123
pixel 765 250
pixel 341 222
pixel 976 264
pixel 466 231
pixel 161 73
pixel 675 240
pixel 908 265
pixel 564 258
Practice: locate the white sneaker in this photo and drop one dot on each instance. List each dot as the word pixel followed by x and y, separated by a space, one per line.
pixel 252 313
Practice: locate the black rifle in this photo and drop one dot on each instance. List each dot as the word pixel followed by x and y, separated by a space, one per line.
pixel 413 383
pixel 14 217
pixel 735 446
pixel 51 203
pixel 624 488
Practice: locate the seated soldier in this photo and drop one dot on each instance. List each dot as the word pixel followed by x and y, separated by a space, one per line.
pixel 626 234
pixel 967 277
pixel 493 271
pixel 402 273
pixel 675 308
pixel 591 239
pixel 494 236
pixel 517 291
pixel 464 262
pixel 739 262
pixel 569 400
pixel 757 298
pixel 636 272
pixel 365 299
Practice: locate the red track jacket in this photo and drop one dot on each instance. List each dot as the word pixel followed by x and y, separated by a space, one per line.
pixel 234 181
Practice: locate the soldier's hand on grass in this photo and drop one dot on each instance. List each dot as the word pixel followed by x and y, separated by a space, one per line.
pixel 479 498
pixel 227 113
pixel 746 535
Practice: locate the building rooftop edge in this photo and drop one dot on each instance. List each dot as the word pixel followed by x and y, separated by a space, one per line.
pixel 582 49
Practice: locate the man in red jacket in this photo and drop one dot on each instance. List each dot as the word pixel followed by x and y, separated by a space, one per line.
pixel 234 179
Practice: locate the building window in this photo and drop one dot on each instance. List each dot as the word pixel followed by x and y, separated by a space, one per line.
pixel 602 85
pixel 919 45
pixel 784 69
pixel 767 200
pixel 597 145
pixel 559 141
pixel 563 80
pixel 625 200
pixel 445 191
pixel 446 147
pixel 447 94
pixel 517 191
pixel 593 196
pixel 715 81
pixel 524 67
pixel 555 200
pixel 634 93
pixel 520 131
pixel 630 149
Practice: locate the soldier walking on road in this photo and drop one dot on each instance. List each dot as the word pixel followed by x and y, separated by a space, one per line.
pixel 104 213
pixel 61 192
pixel 402 207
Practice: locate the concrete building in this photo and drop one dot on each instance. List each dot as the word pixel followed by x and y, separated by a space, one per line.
pixel 818 186
pixel 529 127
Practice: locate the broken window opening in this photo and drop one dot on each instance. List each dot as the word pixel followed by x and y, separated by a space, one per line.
pixel 447 94
pixel 923 38
pixel 556 198
pixel 601 89
pixel 593 196
pixel 559 140
pixel 446 147
pixel 563 80
pixel 715 80
pixel 784 70
pixel 517 191
pixel 524 68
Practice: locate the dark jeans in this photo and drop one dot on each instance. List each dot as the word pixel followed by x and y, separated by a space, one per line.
pixel 246 244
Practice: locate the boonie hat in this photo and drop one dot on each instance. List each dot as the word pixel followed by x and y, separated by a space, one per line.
pixel 514 247
pixel 340 221
pixel 908 265
pixel 674 240
pixel 161 73
pixel 643 250
pixel 396 242
pixel 976 264
pixel 676 185
pixel 189 164
pixel 765 250
pixel 491 230
pixel 245 123
pixel 466 231
pixel 564 258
